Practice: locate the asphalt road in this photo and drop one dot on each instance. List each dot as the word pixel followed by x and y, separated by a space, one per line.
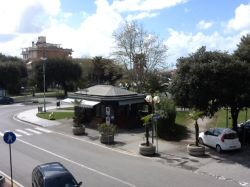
pixel 90 163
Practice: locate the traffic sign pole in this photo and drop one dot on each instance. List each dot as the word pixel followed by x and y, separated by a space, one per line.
pixel 10 138
pixel 11 166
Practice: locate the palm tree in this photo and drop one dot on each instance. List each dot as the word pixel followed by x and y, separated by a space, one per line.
pixel 195 115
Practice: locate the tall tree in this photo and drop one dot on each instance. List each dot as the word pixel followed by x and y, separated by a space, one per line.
pixel 105 71
pixel 13 74
pixel 243 50
pixel 208 81
pixel 58 72
pixel 139 51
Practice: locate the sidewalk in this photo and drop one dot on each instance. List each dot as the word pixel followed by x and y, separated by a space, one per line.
pixel 172 153
pixel 125 141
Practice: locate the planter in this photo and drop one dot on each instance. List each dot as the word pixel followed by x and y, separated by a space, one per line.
pixel 107 138
pixel 146 150
pixel 78 130
pixel 194 150
pixel 2 181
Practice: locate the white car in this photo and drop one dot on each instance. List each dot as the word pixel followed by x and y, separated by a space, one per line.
pixel 220 138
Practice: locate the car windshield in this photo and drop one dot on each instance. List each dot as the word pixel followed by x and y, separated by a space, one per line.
pixel 230 136
pixel 61 182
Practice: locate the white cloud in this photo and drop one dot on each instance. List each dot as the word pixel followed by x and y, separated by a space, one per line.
pixel 93 37
pixel 241 19
pixel 141 15
pixel 25 14
pixel 144 5
pixel 181 44
pixel 203 25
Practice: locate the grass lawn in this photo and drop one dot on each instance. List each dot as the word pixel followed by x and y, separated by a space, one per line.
pixel 221 116
pixel 182 118
pixel 58 115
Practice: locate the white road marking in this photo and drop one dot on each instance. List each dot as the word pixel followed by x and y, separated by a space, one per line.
pixel 79 164
pixel 34 131
pixel 23 132
pixel 17 135
pixel 43 130
pixel 1 134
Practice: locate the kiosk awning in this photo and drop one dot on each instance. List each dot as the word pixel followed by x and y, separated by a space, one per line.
pixel 84 103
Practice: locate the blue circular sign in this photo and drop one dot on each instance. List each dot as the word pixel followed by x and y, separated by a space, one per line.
pixel 9 137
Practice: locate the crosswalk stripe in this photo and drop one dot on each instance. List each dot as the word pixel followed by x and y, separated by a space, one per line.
pixel 18 135
pixel 23 132
pixel 34 131
pixel 43 130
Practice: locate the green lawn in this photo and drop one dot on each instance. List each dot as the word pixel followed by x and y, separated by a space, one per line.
pixel 182 118
pixel 221 116
pixel 58 115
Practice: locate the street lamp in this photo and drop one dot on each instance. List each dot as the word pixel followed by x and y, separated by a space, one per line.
pixel 153 100
pixel 44 85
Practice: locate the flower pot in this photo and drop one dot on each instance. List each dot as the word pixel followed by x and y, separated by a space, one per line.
pixel 78 130
pixel 2 181
pixel 194 150
pixel 146 150
pixel 107 138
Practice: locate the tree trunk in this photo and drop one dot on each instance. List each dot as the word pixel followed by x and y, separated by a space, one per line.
pixel 196 133
pixel 235 114
pixel 65 89
pixel 65 92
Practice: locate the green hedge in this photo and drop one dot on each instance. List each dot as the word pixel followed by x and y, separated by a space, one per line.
pixel 166 127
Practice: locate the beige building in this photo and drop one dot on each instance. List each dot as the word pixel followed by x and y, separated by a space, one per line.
pixel 42 49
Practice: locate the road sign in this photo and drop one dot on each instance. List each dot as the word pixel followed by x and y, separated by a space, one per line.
pixel 108 120
pixel 156 116
pixel 9 137
pixel 108 111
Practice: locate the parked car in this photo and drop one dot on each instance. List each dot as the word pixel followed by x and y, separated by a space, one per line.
pixel 53 174
pixel 244 132
pixel 6 100
pixel 220 138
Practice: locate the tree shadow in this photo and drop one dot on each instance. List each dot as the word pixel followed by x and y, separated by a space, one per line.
pixel 231 157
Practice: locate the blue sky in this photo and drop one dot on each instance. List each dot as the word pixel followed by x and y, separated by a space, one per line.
pixel 86 26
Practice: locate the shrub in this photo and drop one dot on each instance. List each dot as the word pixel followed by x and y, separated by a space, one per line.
pixel 166 127
pixel 79 117
pixel 106 129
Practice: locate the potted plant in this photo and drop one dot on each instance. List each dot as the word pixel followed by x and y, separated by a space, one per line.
pixel 78 121
pixel 107 133
pixel 147 148
pixel 2 180
pixel 196 149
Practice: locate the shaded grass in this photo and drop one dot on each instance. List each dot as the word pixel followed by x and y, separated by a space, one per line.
pixel 58 115
pixel 182 118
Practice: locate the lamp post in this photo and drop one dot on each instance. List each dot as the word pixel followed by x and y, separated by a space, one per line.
pixel 153 100
pixel 44 83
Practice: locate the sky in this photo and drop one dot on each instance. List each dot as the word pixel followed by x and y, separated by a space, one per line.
pixel 87 26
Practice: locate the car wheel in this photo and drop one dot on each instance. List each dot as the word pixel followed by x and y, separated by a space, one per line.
pixel 218 148
pixel 201 141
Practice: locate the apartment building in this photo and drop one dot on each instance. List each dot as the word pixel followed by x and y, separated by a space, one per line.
pixel 42 49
